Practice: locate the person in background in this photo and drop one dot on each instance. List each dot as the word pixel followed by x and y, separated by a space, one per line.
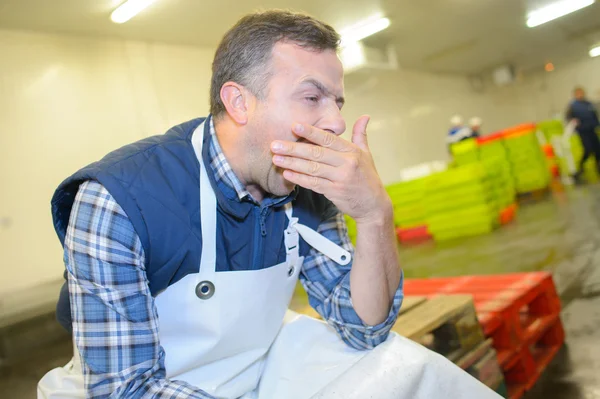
pixel 475 125
pixel 458 131
pixel 582 113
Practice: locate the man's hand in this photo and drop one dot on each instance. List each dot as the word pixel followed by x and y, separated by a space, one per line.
pixel 345 173
pixel 342 171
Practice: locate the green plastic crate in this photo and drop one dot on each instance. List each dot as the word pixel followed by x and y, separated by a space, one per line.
pixel 474 229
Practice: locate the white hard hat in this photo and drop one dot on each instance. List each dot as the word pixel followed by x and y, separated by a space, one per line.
pixel 475 121
pixel 456 120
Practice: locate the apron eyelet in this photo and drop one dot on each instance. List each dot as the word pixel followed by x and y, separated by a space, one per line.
pixel 291 271
pixel 205 290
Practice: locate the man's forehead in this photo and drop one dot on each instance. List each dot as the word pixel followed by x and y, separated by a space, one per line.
pixel 298 63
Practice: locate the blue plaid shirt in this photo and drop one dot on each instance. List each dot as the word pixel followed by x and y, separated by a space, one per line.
pixel 115 322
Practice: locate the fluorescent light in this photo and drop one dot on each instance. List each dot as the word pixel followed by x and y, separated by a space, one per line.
pixel 363 29
pixel 352 56
pixel 556 10
pixel 128 10
pixel 595 51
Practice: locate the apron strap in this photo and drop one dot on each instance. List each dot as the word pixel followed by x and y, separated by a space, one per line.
pixel 316 240
pixel 208 209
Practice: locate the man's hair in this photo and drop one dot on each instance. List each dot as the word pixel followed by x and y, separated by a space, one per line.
pixel 577 88
pixel 244 53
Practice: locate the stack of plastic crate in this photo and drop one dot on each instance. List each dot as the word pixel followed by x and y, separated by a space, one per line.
pixel 528 163
pixel 409 212
pixel 551 128
pixel 494 157
pixel 465 152
pixel 351 225
pixel 460 202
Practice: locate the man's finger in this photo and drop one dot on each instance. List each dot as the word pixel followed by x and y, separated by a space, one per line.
pixel 359 132
pixel 307 151
pixel 305 167
pixel 316 184
pixel 321 137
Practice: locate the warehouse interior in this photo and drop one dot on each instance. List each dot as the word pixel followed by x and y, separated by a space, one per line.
pixel 502 214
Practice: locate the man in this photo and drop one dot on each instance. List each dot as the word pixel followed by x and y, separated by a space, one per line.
pixel 585 117
pixel 475 125
pixel 182 250
pixel 458 131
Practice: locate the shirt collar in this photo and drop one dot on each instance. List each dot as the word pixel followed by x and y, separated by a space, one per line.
pixel 224 174
pixel 226 179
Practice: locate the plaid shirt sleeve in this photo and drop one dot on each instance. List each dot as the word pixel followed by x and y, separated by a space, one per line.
pixel 115 322
pixel 328 288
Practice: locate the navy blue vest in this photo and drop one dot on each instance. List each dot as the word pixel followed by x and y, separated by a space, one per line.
pixel 587 115
pixel 156 182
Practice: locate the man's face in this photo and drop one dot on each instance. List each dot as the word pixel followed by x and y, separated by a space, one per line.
pixel 579 94
pixel 305 86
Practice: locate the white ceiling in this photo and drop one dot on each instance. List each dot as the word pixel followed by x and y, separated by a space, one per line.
pixel 456 36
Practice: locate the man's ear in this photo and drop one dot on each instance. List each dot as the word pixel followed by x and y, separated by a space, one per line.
pixel 235 98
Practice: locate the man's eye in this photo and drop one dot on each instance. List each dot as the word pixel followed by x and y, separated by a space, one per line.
pixel 312 99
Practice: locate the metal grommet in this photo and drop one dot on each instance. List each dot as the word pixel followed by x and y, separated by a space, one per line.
pixel 291 271
pixel 205 290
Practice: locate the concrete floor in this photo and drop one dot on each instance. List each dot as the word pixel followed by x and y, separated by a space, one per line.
pixel 560 234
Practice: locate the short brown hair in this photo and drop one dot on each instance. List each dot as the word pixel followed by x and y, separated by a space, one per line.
pixel 245 50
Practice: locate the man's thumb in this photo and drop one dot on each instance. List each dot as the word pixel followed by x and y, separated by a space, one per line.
pixel 359 132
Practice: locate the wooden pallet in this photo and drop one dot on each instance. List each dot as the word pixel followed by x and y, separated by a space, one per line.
pixel 482 363
pixel 446 324
pixel 520 312
pixel 301 306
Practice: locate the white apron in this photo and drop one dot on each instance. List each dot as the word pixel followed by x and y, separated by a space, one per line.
pixel 216 327
pixel 219 343
pixel 223 333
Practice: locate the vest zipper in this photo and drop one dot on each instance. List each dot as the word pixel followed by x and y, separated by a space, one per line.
pixel 257 241
pixel 263 229
pixel 260 233
pixel 263 234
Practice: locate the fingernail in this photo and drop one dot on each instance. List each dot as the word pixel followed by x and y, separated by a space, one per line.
pixel 299 128
pixel 278 159
pixel 277 146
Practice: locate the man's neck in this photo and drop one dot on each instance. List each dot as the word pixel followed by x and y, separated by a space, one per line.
pixel 236 155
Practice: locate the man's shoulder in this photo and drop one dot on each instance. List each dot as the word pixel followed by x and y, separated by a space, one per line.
pixel 176 135
pixel 580 103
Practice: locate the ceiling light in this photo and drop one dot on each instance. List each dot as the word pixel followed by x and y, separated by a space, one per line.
pixel 595 51
pixel 352 56
pixel 363 29
pixel 555 10
pixel 128 10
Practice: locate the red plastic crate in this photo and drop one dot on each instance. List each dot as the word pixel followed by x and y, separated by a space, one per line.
pixel 548 150
pixel 508 214
pixel 519 130
pixel 546 331
pixel 522 369
pixel 413 234
pixel 528 363
pixel 490 138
